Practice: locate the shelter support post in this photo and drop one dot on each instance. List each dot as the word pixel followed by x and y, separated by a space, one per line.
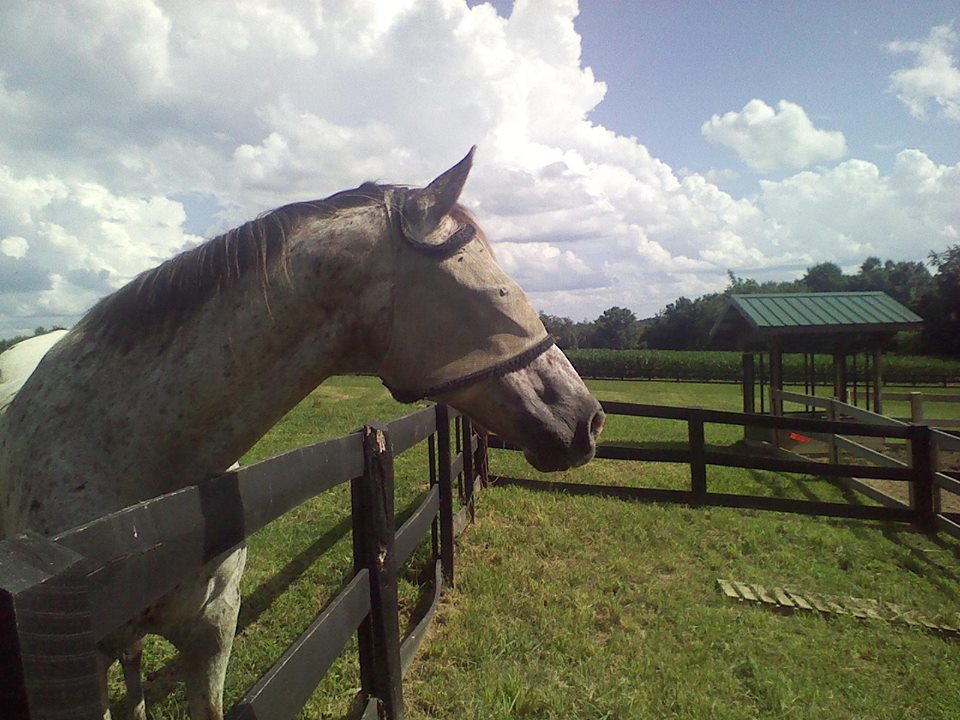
pixel 877 380
pixel 840 376
pixel 776 379
pixel 776 386
pixel 749 378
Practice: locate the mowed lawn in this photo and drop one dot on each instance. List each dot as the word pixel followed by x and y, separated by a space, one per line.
pixel 592 608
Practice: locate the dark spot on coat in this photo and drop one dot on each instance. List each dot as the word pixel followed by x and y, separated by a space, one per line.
pixel 503 291
pixel 80 488
pixel 35 505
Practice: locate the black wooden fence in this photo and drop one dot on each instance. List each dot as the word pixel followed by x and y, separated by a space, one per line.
pixel 60 595
pixel 699 456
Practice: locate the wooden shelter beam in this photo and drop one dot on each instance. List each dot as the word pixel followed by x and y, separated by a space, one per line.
pixel 749 379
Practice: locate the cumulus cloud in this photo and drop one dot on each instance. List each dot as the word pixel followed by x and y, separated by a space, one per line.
pixel 125 124
pixel 768 139
pixel 934 80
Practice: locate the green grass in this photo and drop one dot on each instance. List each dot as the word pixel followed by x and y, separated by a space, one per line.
pixel 591 608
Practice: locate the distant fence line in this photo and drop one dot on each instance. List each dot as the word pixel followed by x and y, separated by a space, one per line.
pixel 921 474
pixel 59 596
pixel 918 402
pixel 726 366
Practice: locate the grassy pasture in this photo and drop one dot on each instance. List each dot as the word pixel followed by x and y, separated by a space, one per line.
pixel 593 608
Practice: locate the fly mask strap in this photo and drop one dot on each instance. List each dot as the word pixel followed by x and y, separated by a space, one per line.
pixel 499 370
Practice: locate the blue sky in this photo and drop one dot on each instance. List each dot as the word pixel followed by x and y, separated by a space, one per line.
pixel 670 66
pixel 629 152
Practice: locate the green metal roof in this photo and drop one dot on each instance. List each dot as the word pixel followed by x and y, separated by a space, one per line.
pixel 822 309
pixel 767 314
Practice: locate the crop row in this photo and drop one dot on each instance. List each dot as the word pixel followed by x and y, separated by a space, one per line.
pixel 719 366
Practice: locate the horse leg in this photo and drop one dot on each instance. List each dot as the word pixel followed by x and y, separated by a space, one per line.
pixel 205 641
pixel 104 661
pixel 130 662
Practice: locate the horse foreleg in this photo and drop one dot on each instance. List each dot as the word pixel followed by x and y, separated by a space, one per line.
pixel 104 661
pixel 130 662
pixel 205 641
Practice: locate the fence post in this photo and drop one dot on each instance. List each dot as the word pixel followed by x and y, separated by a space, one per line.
pixel 435 525
pixel 50 662
pixel 916 407
pixel 921 487
pixel 482 462
pixel 446 493
pixel 698 464
pixel 373 547
pixel 469 476
pixel 832 417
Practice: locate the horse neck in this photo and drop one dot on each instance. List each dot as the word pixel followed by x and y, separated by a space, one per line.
pixel 255 349
pixel 325 309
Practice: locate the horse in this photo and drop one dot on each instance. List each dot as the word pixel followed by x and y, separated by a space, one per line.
pixel 170 379
pixel 18 361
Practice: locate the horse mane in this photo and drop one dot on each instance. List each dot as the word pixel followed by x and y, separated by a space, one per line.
pixel 167 295
pixel 163 298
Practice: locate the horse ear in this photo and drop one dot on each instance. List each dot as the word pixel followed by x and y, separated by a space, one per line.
pixel 424 209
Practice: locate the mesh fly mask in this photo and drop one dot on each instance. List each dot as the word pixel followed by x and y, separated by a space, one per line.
pixel 457 317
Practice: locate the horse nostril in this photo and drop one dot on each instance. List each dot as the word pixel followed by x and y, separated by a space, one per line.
pixel 596 424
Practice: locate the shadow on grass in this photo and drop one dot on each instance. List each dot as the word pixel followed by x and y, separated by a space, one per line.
pixel 160 683
pixel 919 561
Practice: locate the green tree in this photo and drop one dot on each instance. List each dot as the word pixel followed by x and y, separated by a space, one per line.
pixel 563 328
pixel 904 281
pixel 674 327
pixel 940 305
pixel 825 277
pixel 617 328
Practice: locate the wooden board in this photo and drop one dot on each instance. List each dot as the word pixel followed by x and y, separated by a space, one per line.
pixel 789 600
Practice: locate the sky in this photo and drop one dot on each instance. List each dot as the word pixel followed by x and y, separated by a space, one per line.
pixel 629 153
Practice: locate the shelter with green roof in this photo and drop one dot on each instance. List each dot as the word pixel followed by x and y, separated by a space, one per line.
pixel 841 324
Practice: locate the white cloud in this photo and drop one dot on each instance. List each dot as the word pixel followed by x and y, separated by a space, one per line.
pixel 14 246
pixel 934 80
pixel 541 266
pixel 241 106
pixel 768 139
pixel 851 211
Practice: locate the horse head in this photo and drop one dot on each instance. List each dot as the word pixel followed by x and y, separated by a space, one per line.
pixel 465 334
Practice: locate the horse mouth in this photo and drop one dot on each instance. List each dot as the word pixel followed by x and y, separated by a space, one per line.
pixel 564 456
pixel 558 461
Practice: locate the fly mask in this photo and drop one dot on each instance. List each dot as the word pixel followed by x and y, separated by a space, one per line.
pixel 457 317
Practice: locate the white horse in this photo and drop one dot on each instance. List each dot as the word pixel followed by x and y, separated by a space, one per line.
pixel 170 379
pixel 18 361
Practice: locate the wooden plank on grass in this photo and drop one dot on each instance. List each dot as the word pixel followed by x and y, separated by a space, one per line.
pixel 832 606
pixel 782 598
pixel 761 592
pixel 745 590
pixel 728 589
pixel 800 601
pixel 817 603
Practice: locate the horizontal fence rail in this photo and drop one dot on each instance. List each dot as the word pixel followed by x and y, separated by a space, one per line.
pixel 918 402
pixel 60 596
pixel 863 424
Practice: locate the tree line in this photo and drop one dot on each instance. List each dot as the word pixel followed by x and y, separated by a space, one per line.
pixel 685 324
